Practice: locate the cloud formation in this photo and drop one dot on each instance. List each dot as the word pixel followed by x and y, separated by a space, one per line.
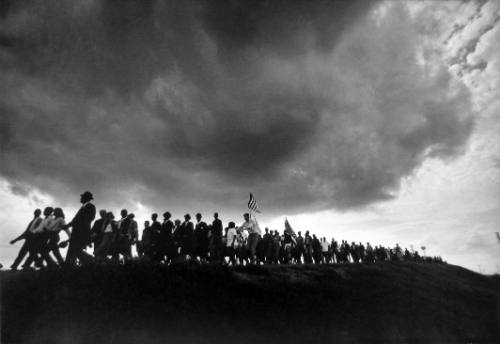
pixel 309 105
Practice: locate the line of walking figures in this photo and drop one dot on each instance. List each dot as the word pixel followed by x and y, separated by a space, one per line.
pixel 176 241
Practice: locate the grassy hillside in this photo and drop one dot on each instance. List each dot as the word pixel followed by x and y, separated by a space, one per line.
pixel 386 303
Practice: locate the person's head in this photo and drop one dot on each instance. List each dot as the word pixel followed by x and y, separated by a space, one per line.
pixel 37 212
pixel 246 216
pixel 146 224
pixel 131 216
pixel 177 222
pixel 48 211
pixel 86 197
pixel 299 233
pixel 198 217
pixel 110 215
pixel 58 213
pixel 231 224
pixel 154 216
pixel 102 213
pixel 187 217
pixel 124 213
pixel 266 230
pixel 167 215
pixel 307 233
pixel 216 215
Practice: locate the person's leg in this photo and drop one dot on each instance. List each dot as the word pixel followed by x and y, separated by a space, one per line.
pixel 102 251
pixel 23 251
pixel 70 255
pixel 54 248
pixel 44 249
pixel 35 247
pixel 252 245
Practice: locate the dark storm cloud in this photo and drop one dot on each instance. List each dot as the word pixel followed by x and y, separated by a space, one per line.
pixel 310 105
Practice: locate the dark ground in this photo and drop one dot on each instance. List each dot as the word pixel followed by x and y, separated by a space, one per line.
pixel 399 302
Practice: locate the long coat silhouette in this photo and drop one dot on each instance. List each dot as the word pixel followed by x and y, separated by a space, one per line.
pixel 80 235
pixel 81 224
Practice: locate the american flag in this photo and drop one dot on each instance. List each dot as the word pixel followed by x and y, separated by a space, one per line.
pixel 289 230
pixel 252 204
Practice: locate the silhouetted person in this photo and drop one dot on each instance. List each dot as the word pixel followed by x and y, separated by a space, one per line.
pixel 201 239
pixel 307 248
pixel 107 245
pixel 42 237
pixel 97 231
pixel 324 251
pixel 53 229
pixel 145 247
pixel 231 242
pixel 80 235
pixel 333 251
pixel 120 239
pixel 216 238
pixel 287 247
pixel 186 236
pixel 158 238
pixel 176 237
pixel 268 244
pixel 127 236
pixel 28 238
pixel 316 249
pixel 253 235
pixel 242 250
pixel 167 238
pixel 369 253
pixel 276 247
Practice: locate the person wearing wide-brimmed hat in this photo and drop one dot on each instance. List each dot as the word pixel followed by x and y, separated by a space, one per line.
pixel 80 235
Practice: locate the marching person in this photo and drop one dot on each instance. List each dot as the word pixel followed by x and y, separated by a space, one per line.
pixel 253 229
pixel 41 236
pixel 80 235
pixel 110 231
pixel 53 229
pixel 28 240
pixel 185 235
pixel 231 243
pixel 216 247
pixel 167 238
pixel 97 231
pixel 200 239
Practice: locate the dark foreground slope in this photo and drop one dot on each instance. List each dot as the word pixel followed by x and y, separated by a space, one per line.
pixel 386 303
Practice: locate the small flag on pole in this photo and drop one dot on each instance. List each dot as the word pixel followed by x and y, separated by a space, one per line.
pixel 252 204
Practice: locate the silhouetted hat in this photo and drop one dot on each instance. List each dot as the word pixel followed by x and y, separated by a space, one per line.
pixel 87 194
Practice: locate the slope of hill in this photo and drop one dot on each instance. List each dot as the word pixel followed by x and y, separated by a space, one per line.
pixel 387 303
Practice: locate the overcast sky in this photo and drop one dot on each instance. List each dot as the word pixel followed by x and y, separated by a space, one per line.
pixel 366 121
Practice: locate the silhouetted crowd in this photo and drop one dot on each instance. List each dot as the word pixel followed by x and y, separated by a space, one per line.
pixel 171 241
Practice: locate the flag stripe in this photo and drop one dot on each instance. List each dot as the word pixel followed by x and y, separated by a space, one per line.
pixel 252 204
